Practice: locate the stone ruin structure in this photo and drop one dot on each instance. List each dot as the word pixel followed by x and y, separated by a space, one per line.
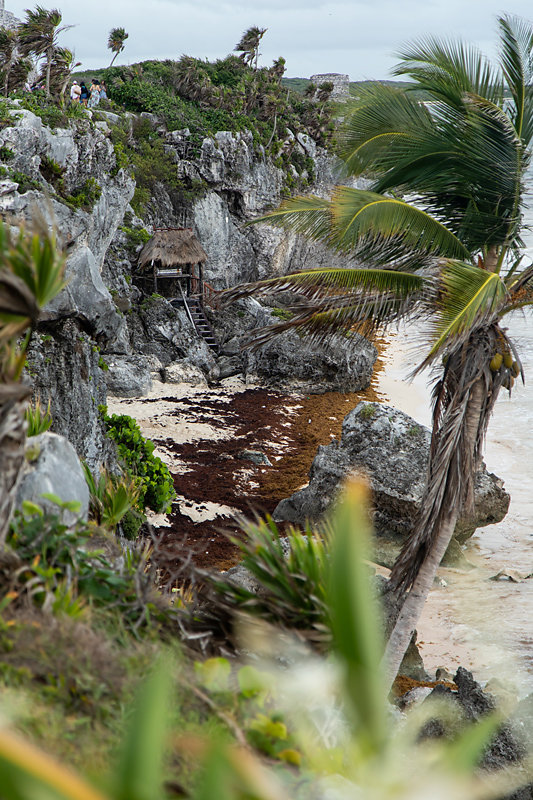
pixel 341 84
pixel 7 19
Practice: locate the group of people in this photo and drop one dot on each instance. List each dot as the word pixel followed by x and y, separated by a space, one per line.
pixel 88 96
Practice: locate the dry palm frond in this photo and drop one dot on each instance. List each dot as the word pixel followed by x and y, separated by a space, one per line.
pixel 455 454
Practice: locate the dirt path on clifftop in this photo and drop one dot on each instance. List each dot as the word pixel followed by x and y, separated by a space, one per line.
pixel 211 438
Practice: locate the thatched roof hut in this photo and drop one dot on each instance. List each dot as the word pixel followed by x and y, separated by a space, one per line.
pixel 172 247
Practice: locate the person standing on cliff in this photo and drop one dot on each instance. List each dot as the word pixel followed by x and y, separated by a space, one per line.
pixel 75 92
pixel 84 94
pixel 94 98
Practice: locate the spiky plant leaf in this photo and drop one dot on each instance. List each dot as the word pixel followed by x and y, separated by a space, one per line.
pixel 353 616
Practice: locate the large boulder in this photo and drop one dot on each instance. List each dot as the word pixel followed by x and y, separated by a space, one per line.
pixel 127 376
pixel 289 361
pixel 392 449
pixel 54 468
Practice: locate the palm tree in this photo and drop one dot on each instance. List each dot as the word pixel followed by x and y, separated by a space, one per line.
pixel 39 34
pixel 116 41
pixel 448 257
pixel 61 69
pixel 248 45
pixel 31 274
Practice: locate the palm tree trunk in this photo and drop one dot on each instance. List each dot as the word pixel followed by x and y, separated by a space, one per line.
pixel 12 458
pixel 113 59
pixel 48 69
pixel 413 605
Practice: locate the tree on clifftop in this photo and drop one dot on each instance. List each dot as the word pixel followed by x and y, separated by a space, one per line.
pixel 248 45
pixel 38 36
pixel 116 42
pixel 449 257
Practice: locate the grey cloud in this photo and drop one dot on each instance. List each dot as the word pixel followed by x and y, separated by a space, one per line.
pixel 359 37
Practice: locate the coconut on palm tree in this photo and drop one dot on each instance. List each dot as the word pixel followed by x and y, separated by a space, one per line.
pixel 437 238
pixel 38 35
pixel 116 42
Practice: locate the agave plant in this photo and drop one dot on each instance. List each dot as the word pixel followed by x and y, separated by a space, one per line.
pixel 438 234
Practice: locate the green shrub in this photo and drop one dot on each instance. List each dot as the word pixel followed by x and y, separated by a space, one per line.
pixel 85 197
pixel 131 524
pixel 135 236
pixel 282 313
pixel 49 111
pixel 6 153
pixel 52 172
pixel 62 569
pixel 24 181
pixel 136 452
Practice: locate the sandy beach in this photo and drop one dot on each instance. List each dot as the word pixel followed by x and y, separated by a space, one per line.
pixel 208 436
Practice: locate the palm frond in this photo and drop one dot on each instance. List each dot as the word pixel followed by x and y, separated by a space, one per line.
pixel 308 215
pixel 448 70
pixel 358 218
pixel 467 381
pixel 338 301
pixel 375 124
pixel 466 298
pixel 516 37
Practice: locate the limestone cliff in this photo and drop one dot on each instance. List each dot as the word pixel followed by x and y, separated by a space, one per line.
pixel 70 176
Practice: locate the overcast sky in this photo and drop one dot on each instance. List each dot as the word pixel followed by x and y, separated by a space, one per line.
pixel 358 37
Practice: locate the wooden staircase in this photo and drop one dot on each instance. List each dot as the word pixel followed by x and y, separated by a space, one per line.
pixel 196 314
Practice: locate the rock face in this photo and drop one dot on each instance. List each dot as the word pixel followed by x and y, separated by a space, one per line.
pixel 103 318
pixel 472 705
pixel 289 361
pixel 64 367
pixel 392 449
pixel 54 468
pixel 82 153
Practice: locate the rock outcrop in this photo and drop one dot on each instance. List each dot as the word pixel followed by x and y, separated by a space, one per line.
pixel 392 449
pixel 65 368
pixel 52 467
pixel 103 331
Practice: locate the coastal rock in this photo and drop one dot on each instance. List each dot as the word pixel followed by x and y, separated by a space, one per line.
pixel 127 376
pixel 181 372
pixel 392 449
pixel 54 468
pixel 85 157
pixel 292 362
pixel 289 361
pixel 473 704
pixel 63 367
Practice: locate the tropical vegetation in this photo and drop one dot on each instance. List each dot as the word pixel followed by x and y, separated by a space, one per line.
pixel 39 37
pixel 436 239
pixel 215 727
